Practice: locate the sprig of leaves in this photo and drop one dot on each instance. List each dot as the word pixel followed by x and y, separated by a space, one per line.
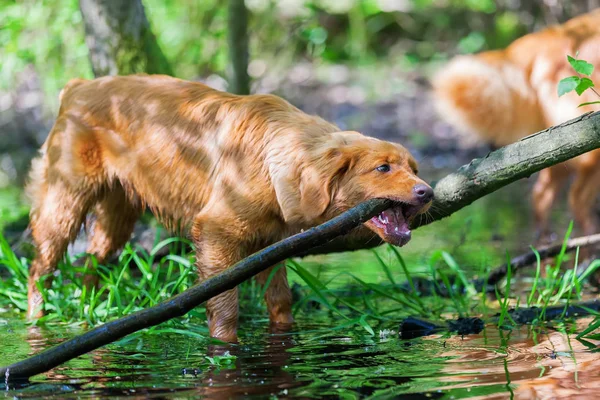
pixel 578 83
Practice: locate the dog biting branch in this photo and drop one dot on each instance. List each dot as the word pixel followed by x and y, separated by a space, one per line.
pixel 499 168
pixel 469 183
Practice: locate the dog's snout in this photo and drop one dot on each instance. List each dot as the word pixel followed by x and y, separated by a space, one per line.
pixel 423 193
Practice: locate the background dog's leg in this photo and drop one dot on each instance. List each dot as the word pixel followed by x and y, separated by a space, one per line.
pixel 278 295
pixel 550 182
pixel 582 198
pixel 55 221
pixel 115 219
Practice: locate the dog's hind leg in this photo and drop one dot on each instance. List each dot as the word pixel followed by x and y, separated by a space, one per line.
pixel 116 215
pixel 582 197
pixel 55 220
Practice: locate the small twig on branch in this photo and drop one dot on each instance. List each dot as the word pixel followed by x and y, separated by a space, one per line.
pixel 427 287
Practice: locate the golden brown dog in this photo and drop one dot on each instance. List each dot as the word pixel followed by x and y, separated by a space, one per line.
pixel 504 95
pixel 241 171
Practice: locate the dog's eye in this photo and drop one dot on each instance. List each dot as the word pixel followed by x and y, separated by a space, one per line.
pixel 383 168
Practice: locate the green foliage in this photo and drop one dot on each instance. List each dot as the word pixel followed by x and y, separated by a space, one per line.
pixel 581 66
pixel 140 280
pixel 12 206
pixel 225 360
pixel 47 34
pixel 577 83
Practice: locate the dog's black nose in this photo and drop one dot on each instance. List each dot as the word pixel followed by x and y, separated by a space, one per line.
pixel 423 193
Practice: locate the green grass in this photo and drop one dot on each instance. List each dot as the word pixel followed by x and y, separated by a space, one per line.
pixel 139 279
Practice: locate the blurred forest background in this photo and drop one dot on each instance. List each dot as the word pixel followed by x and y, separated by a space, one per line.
pixel 362 64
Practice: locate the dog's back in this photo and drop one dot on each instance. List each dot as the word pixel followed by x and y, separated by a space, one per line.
pixel 504 95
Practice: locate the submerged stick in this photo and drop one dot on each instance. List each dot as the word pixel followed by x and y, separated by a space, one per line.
pixel 184 302
pixel 413 327
pixel 499 168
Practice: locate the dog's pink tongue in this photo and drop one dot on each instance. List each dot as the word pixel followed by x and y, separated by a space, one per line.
pixel 396 230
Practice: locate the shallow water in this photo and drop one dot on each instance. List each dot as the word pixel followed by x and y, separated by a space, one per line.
pixel 525 363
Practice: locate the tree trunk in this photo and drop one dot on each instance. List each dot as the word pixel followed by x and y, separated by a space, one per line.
pixel 239 81
pixel 120 40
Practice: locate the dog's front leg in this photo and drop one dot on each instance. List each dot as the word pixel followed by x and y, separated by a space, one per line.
pixel 216 251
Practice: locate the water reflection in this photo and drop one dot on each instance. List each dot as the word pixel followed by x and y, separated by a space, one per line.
pixel 312 362
pixel 548 364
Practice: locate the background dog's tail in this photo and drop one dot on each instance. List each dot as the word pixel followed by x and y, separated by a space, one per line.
pixel 488 96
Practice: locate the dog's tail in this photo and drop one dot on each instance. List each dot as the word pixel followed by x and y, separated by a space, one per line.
pixel 488 96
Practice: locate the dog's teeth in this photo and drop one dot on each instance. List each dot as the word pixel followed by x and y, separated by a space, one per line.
pixel 382 219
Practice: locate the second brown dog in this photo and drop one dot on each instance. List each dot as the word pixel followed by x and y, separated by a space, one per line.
pixel 504 95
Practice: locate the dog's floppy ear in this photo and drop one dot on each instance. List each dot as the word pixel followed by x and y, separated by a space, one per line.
pixel 305 191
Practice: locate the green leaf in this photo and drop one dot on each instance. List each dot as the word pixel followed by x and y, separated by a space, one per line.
pixel 363 322
pixel 589 103
pixel 317 287
pixel 581 66
pixel 567 85
pixel 591 327
pixel 584 84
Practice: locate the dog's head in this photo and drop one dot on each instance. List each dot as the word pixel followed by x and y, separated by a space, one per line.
pixel 348 169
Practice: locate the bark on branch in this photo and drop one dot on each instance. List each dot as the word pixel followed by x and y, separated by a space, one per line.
pixel 457 190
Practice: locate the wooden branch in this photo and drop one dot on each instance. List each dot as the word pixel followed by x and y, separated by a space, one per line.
pixel 184 302
pixel 471 182
pixel 529 258
pixel 485 175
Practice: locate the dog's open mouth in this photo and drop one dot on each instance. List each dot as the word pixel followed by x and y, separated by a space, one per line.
pixel 395 223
